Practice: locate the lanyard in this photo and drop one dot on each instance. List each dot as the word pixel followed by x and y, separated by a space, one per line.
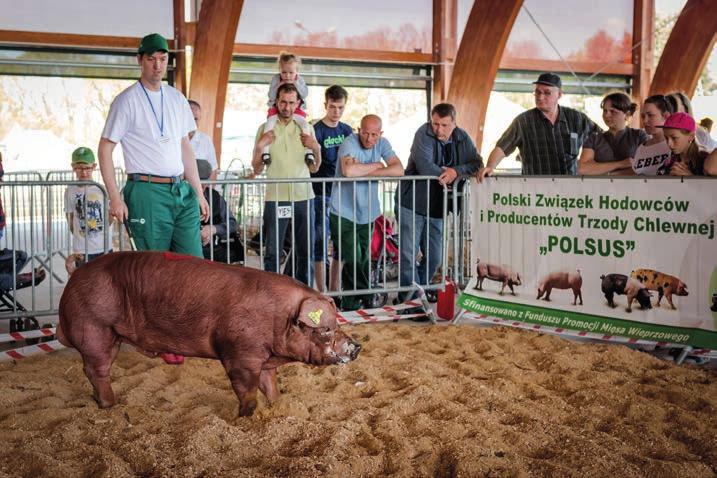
pixel 160 124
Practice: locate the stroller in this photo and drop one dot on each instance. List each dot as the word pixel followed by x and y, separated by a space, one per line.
pixel 21 281
pixel 383 259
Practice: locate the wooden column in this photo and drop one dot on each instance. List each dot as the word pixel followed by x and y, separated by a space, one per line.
pixel 643 42
pixel 445 45
pixel 687 49
pixel 180 61
pixel 213 46
pixel 477 61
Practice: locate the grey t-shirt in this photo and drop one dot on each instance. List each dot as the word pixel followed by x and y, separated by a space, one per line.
pixel 609 147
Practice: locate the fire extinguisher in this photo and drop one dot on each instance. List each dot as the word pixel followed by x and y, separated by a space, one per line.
pixel 446 306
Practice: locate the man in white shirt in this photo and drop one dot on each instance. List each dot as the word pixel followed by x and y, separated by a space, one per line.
pixel 201 143
pixel 163 198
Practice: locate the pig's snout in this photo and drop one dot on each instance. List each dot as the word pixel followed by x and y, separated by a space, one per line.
pixel 349 350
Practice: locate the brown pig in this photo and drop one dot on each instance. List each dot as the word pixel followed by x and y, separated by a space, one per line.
pixel 502 274
pixel 253 321
pixel 562 280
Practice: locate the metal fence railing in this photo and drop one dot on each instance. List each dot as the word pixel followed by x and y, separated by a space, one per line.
pixel 267 224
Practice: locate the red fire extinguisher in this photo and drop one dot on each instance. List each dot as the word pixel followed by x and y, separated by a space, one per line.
pixel 446 306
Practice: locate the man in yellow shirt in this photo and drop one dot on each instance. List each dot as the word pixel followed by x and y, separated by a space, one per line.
pixel 286 201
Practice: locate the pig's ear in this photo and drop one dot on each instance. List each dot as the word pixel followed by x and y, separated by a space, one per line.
pixel 317 312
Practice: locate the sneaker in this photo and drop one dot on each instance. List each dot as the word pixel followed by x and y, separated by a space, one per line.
pixel 374 301
pixel 423 318
pixel 412 310
pixel 173 359
pixel 350 304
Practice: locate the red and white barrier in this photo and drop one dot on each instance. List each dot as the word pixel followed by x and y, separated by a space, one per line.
pixel 579 333
pixel 377 318
pixel 383 314
pixel 30 350
pixel 28 334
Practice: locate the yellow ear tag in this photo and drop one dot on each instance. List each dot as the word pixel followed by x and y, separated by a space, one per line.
pixel 315 316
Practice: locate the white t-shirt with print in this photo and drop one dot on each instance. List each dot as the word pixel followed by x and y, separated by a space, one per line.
pixel 132 123
pixel 649 158
pixel 86 203
pixel 204 148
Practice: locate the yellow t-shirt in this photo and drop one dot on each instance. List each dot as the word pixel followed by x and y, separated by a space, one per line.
pixel 287 161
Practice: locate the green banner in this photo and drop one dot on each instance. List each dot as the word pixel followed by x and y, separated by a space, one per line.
pixel 586 322
pixel 624 257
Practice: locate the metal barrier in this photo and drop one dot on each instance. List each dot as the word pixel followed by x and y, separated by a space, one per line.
pixel 251 233
pixel 32 226
pixel 33 205
pixel 60 228
pixel 256 205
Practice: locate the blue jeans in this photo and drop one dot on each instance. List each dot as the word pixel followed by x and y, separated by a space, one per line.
pixel 427 238
pixel 302 217
pixel 321 229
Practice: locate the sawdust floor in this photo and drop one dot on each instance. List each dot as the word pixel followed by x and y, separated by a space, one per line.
pixel 419 401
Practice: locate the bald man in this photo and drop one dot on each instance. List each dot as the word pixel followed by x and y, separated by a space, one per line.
pixel 355 205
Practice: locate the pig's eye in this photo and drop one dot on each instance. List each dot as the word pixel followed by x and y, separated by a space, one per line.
pixel 325 332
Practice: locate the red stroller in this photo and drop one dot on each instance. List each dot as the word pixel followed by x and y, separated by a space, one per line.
pixel 384 260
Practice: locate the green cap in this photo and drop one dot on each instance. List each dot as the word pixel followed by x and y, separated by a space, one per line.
pixel 151 43
pixel 83 155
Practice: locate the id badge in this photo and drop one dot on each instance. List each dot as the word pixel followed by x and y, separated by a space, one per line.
pixel 163 139
pixel 574 144
pixel 283 212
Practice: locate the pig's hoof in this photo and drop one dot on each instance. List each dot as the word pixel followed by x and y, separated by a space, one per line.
pixel 628 310
pixel 247 411
pixel 103 403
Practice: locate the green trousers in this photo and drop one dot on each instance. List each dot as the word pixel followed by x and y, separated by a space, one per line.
pixel 354 253
pixel 164 217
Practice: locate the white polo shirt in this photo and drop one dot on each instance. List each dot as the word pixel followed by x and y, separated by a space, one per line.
pixel 133 123
pixel 204 149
